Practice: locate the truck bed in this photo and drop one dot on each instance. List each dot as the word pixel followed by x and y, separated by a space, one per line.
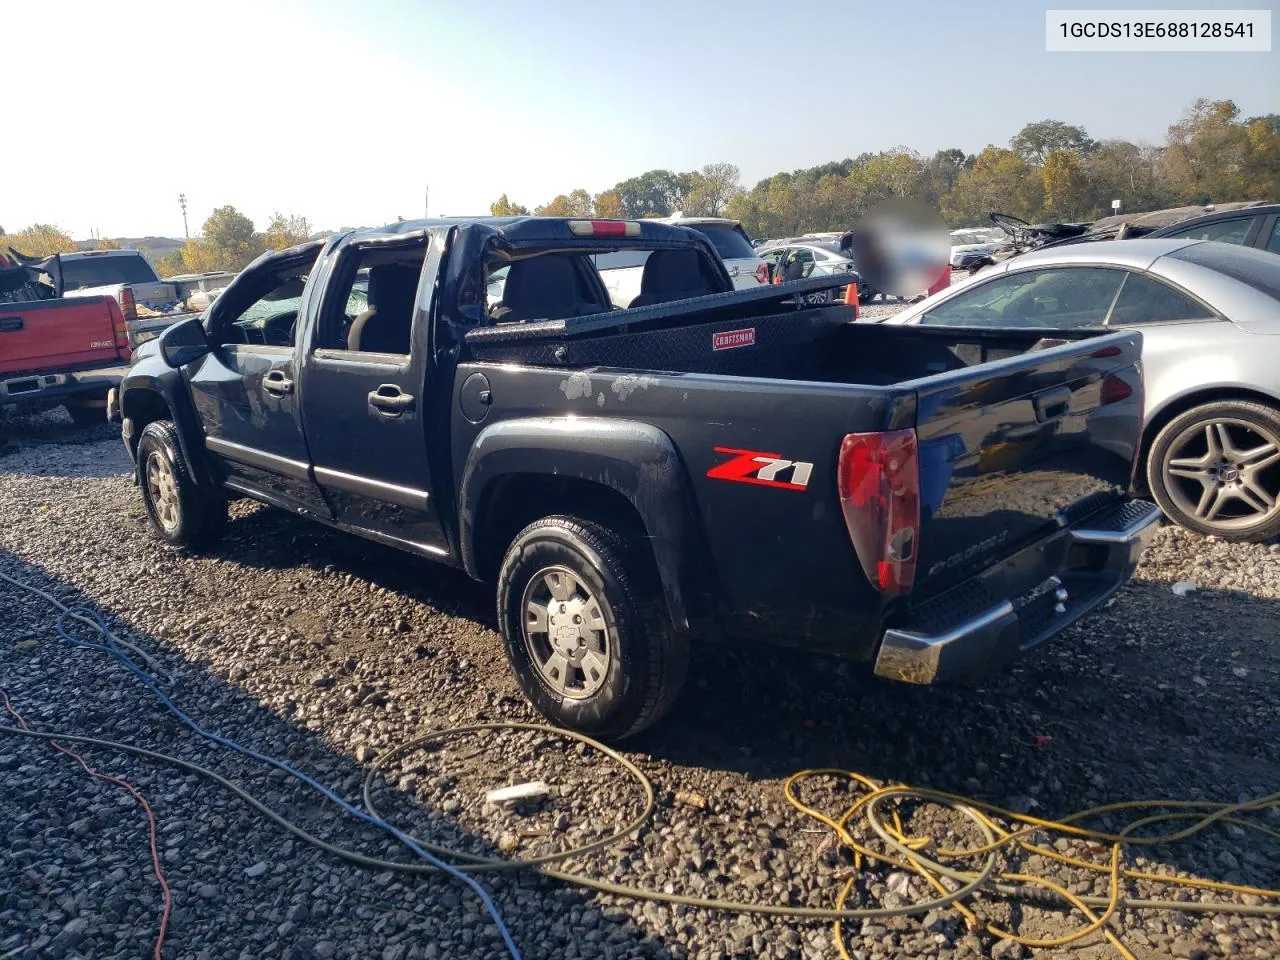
pixel 1017 434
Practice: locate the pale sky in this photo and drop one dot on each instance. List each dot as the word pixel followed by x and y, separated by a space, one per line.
pixel 346 112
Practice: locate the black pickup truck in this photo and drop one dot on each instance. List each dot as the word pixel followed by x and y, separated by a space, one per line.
pixel 706 463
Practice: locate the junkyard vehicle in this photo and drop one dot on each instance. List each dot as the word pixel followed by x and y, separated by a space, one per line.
pixel 1209 314
pixel 971 248
pixel 707 463
pixel 1255 225
pixel 57 352
pixel 124 274
pixel 1250 223
pixel 814 259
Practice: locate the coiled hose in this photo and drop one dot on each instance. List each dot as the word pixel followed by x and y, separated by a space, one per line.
pixel 879 808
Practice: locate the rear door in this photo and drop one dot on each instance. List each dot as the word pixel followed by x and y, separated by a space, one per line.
pixel 364 409
pixel 53 334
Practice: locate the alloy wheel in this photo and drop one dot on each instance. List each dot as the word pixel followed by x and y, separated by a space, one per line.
pixel 163 489
pixel 1225 472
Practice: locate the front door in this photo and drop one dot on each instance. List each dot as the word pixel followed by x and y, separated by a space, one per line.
pixel 363 403
pixel 246 389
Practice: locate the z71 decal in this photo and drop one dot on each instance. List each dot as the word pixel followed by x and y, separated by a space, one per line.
pixel 765 469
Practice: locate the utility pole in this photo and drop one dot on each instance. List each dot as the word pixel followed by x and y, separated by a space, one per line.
pixel 426 201
pixel 182 202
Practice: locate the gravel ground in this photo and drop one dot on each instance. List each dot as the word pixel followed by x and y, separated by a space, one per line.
pixel 327 650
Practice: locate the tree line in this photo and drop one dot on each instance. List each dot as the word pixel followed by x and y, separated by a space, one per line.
pixel 1050 170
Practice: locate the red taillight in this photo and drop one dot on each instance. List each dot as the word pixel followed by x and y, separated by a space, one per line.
pixel 879 486
pixel 762 273
pixel 1114 390
pixel 120 330
pixel 128 306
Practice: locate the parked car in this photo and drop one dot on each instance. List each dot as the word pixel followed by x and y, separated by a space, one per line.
pixel 709 462
pixel 1209 314
pixel 969 248
pixel 1250 223
pixel 1256 226
pixel 622 270
pixel 794 261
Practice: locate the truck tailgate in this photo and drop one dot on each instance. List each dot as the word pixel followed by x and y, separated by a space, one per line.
pixel 51 334
pixel 1014 450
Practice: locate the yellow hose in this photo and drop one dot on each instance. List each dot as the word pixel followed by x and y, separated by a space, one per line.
pixel 905 852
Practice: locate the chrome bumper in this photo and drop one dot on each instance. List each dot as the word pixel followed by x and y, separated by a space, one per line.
pixel 1096 557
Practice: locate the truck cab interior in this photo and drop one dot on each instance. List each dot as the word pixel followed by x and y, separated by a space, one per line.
pixel 555 285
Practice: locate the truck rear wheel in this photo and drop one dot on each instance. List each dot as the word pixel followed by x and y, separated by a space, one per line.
pixel 585 629
pixel 182 513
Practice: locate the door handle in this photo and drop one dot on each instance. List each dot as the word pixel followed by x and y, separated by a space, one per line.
pixel 10 324
pixel 276 383
pixel 389 401
pixel 1052 404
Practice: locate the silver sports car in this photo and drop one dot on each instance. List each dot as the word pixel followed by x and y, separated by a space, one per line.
pixel 1210 320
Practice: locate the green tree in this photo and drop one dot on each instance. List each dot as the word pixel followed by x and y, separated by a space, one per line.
pixel 576 204
pixel 1262 162
pixel 1066 189
pixel 1204 159
pixel 284 232
pixel 502 207
pixel 999 181
pixel 941 173
pixel 230 239
pixel 708 191
pixel 1034 142
pixel 106 243
pixel 655 192
pixel 1119 170
pixel 228 228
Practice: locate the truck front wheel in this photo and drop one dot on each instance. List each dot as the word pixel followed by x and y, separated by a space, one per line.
pixel 585 631
pixel 182 513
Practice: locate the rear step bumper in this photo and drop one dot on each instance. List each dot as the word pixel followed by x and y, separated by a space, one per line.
pixel 980 626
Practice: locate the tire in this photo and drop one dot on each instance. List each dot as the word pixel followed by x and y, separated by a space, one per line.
pixel 1216 470
pixel 181 513
pixel 88 416
pixel 600 580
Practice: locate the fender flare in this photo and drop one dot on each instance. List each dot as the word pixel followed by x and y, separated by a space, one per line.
pixel 170 388
pixel 637 460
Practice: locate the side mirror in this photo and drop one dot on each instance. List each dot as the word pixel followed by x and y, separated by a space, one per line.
pixel 184 343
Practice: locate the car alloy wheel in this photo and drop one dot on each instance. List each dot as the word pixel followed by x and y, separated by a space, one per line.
pixel 1223 473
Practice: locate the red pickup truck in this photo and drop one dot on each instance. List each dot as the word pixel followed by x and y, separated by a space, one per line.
pixel 68 352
